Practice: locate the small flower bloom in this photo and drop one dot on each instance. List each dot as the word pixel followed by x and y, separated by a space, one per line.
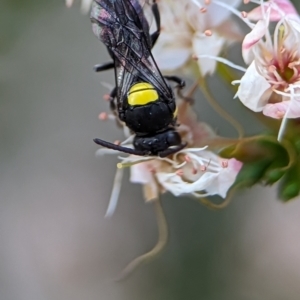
pixel 192 171
pixel 278 8
pixel 193 29
pixel 278 110
pixel 271 83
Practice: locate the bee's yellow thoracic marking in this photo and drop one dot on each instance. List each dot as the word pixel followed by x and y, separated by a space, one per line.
pixel 141 94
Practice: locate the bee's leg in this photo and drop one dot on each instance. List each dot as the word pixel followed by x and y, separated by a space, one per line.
pixel 170 151
pixel 113 107
pixel 104 67
pixel 180 82
pixel 155 11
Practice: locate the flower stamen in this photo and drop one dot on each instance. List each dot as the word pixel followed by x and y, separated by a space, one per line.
pixel 103 116
pixel 224 163
pixel 106 97
pixel 244 14
pixel 208 32
pixel 203 168
pixel 280 40
pixel 113 201
pixel 187 158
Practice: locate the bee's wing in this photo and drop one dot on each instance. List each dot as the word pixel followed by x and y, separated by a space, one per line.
pixel 120 23
pixel 123 27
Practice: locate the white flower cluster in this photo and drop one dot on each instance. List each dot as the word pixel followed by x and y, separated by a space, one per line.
pixel 271 83
pixel 194 171
pixel 194 29
pixel 199 29
pixel 193 35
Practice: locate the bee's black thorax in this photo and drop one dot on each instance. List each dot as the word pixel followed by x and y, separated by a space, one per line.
pixel 144 111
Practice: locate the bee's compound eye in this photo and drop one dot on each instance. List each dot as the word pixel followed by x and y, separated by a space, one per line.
pixel 173 138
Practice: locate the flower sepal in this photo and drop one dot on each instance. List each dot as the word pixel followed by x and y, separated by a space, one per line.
pixel 289 187
pixel 266 160
pixel 252 149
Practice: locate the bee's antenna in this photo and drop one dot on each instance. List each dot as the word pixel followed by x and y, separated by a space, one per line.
pixel 119 148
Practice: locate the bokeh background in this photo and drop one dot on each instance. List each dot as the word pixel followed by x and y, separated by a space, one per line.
pixel 54 240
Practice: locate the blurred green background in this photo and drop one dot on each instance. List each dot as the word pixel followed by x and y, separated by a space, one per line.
pixel 55 242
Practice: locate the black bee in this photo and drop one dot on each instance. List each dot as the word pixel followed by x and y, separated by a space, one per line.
pixel 142 98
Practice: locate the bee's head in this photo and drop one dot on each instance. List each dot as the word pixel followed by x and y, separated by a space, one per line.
pixel 157 143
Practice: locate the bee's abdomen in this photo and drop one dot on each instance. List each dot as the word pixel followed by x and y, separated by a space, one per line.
pixel 149 118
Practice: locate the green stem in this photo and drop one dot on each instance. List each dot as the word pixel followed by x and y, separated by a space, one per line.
pixel 157 249
pixel 217 206
pixel 215 105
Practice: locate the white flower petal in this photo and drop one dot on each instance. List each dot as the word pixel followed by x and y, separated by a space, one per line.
pixel 278 110
pixel 170 57
pixel 172 183
pixel 140 173
pixel 278 9
pixel 85 6
pixel 216 14
pixel 231 30
pixel 213 17
pixel 287 7
pixel 69 3
pixel 293 24
pixel 254 90
pixel 113 201
pixel 225 179
pixel 291 34
pixel 180 20
pixel 252 38
pixel 176 185
pixel 214 179
pixel 204 45
pixel 292 37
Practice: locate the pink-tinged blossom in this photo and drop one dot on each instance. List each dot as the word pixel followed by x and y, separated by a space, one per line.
pixel 278 110
pixel 192 171
pixel 194 29
pixel 277 9
pixel 271 83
